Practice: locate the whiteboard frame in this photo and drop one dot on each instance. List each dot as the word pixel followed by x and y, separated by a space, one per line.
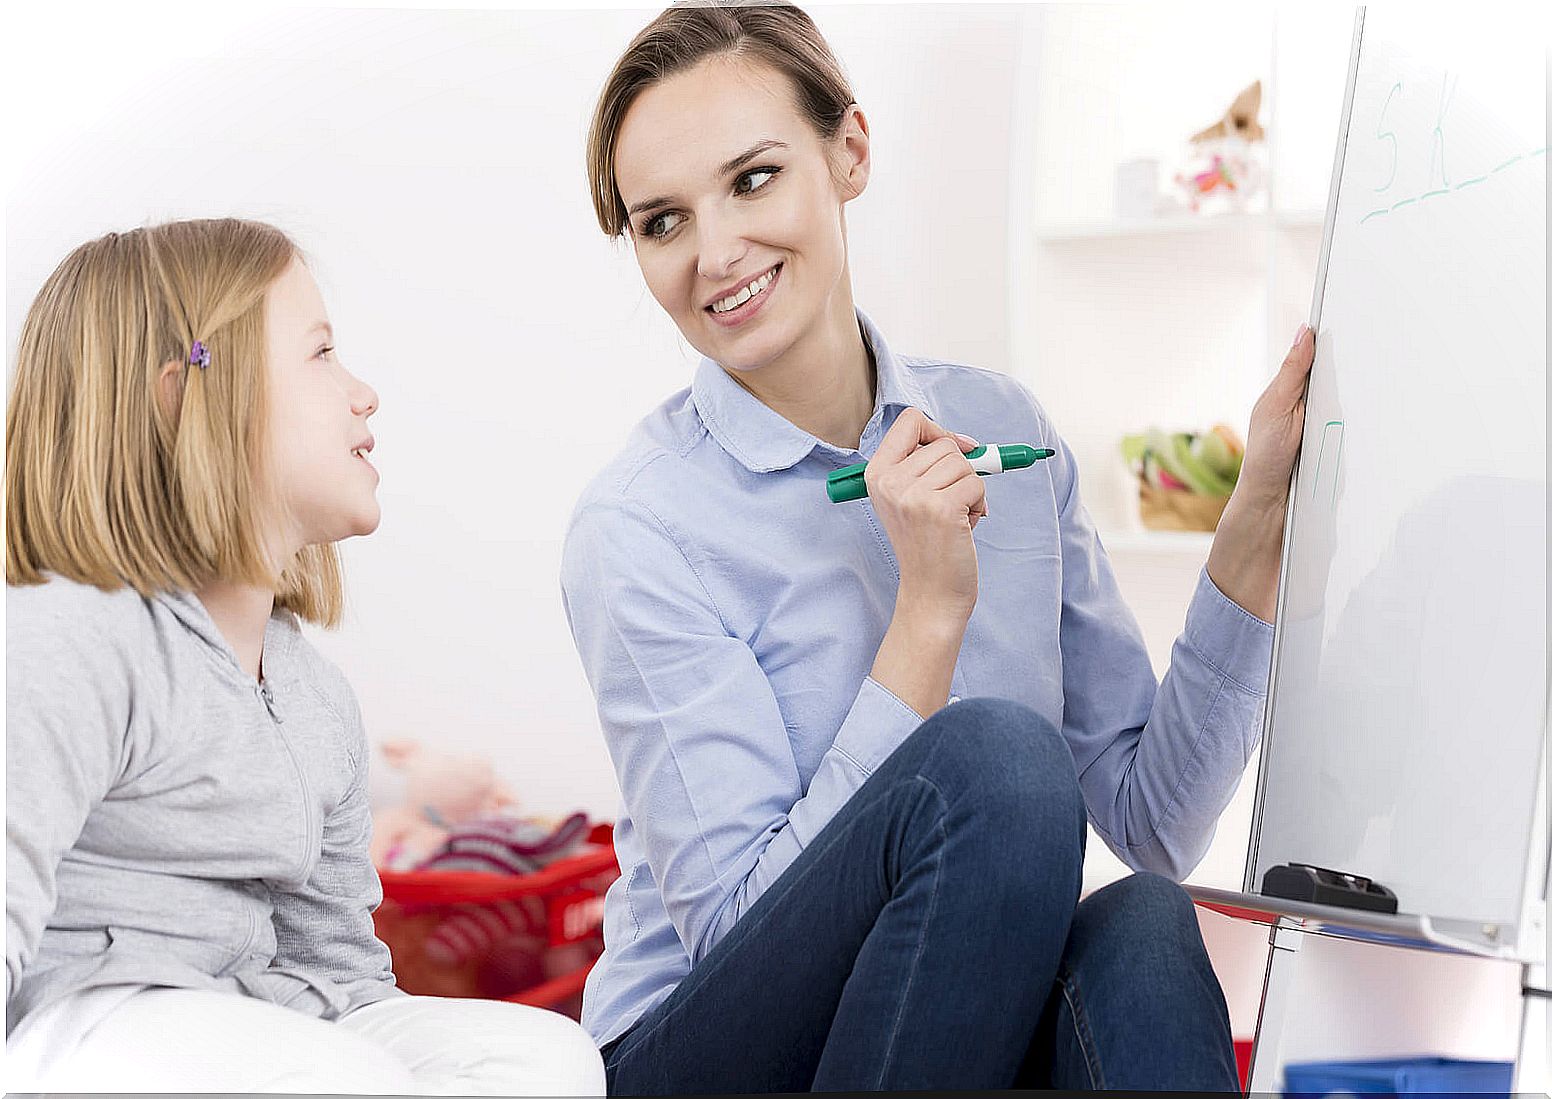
pixel 1253 852
pixel 1525 942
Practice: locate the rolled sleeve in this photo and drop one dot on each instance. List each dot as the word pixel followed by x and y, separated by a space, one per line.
pixel 1228 637
pixel 874 727
pixel 1158 761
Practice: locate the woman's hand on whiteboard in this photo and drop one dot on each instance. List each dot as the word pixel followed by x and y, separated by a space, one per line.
pixel 1246 555
pixel 1276 429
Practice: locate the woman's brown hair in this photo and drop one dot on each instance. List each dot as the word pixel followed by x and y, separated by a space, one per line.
pixel 779 34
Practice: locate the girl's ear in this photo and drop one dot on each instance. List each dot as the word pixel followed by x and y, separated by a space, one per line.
pixel 169 384
pixel 854 154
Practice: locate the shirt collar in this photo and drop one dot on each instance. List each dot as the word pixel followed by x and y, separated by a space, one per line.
pixel 764 440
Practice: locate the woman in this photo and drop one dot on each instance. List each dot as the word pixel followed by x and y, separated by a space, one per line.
pixel 820 889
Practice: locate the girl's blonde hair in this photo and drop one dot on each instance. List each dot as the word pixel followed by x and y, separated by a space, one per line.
pixel 773 31
pixel 107 483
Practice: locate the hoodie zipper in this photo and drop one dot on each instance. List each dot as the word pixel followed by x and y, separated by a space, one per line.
pixel 268 698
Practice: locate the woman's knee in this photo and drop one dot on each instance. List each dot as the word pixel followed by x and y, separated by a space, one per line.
pixel 1143 923
pixel 1011 766
pixel 979 735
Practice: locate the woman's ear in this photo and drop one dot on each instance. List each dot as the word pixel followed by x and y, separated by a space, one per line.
pixel 854 154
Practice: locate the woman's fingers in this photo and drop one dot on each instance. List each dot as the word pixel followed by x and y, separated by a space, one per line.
pixel 945 469
pixel 924 458
pixel 917 453
pixel 1288 384
pixel 910 430
pixel 969 492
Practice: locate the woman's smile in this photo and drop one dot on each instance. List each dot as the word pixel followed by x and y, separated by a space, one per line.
pixel 744 302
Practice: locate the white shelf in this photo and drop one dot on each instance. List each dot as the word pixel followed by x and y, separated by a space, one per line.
pixel 1184 543
pixel 1077 231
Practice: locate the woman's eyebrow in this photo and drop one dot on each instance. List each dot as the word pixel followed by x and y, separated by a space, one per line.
pixel 727 169
pixel 648 204
pixel 749 154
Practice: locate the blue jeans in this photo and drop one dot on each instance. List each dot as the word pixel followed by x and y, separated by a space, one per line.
pixel 930 937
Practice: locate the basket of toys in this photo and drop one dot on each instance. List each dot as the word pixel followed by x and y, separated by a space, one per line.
pixel 1184 478
pixel 530 938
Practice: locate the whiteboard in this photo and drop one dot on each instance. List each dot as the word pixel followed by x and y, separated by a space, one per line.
pixel 1406 721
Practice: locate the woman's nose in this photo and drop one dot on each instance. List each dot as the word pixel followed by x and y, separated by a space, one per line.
pixel 722 247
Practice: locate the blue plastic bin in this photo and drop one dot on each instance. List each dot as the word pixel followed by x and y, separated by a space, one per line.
pixel 1401 1076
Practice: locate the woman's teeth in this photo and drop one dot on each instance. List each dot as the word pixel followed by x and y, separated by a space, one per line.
pixel 733 301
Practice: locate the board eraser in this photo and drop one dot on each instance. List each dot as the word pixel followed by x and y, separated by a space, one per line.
pixel 1301 882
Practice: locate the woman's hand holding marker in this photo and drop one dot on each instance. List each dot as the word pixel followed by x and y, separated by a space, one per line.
pixel 929 499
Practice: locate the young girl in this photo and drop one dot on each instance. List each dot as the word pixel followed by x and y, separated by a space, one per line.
pixel 189 895
pixel 821 890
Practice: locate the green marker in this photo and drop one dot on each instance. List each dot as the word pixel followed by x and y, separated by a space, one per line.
pixel 847 484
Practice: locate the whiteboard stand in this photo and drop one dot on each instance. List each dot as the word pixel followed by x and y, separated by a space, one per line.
pixel 1283 944
pixel 1530 1068
pixel 1290 921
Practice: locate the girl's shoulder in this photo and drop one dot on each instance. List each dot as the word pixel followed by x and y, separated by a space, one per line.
pixel 325 677
pixel 62 604
pixel 76 637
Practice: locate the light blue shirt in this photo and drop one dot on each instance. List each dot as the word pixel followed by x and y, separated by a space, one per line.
pixel 727 615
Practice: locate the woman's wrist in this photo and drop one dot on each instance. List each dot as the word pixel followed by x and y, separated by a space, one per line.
pixel 916 659
pixel 1245 561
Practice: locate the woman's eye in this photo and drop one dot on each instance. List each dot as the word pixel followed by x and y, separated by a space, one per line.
pixel 660 226
pixel 754 179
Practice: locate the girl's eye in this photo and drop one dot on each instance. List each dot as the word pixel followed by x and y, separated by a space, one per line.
pixel 755 178
pixel 325 351
pixel 660 226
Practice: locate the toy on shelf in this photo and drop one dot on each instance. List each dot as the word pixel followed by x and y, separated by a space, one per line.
pixel 1184 478
pixel 1225 168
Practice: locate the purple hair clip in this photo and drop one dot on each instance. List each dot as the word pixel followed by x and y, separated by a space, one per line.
pixel 200 355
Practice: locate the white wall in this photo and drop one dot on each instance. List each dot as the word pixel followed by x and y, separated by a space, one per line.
pixel 431 164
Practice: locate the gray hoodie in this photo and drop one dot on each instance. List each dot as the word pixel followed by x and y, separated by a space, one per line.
pixel 170 822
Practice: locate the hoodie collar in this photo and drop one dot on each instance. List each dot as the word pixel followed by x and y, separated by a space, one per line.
pixel 280 634
pixel 765 441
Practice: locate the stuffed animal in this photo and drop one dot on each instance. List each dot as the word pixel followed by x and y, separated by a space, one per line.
pixel 1226 164
pixel 440 791
pixel 1239 121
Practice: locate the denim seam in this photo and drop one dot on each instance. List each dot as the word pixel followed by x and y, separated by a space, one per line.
pixel 921 942
pixel 648 1030
pixel 1085 1034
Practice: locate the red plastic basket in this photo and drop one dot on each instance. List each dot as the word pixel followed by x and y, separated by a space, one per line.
pixel 543 967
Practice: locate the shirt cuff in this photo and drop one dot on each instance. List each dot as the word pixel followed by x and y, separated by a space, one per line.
pixel 1233 641
pixel 877 724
